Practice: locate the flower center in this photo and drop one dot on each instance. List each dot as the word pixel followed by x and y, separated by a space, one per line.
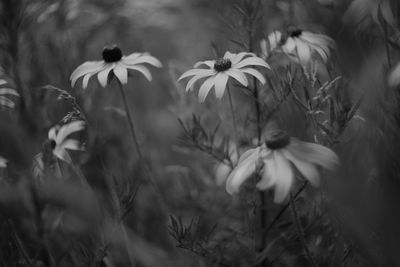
pixel 294 32
pixel 112 54
pixel 222 64
pixel 278 139
pixel 53 144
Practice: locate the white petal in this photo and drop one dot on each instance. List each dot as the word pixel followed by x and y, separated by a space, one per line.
pixel 68 129
pixel 229 55
pixel 239 76
pixel 85 68
pixel 142 59
pixel 71 144
pixel 289 46
pixel 52 133
pixel 274 39
pixel 132 56
pixel 208 63
pixel 8 91
pixel 4 101
pixel 121 73
pixel 238 57
pixel 313 153
pixel 243 170
pixel 221 80
pixel 143 70
pixel 3 162
pixel 303 52
pixel 62 154
pixel 307 169
pixel 194 72
pixel 251 61
pixel 284 177
pixel 102 76
pixel 205 88
pixel 256 74
pixel 269 174
pixel 195 78
pixel 221 173
pixel 2 81
pixel 86 78
pixel 394 76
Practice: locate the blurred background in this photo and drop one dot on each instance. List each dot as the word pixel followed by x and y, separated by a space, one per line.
pixel 121 220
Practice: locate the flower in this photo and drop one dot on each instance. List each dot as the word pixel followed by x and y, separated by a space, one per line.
pixel 276 154
pixel 220 70
pixel 114 63
pixel 5 101
pixel 273 43
pixel 59 142
pixel 360 12
pixel 394 76
pixel 300 45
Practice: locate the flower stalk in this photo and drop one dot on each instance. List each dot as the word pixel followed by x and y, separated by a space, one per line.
pixel 142 159
pixel 300 232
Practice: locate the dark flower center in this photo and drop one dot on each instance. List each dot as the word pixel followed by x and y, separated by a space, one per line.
pixel 278 139
pixel 294 32
pixel 53 144
pixel 112 54
pixel 222 64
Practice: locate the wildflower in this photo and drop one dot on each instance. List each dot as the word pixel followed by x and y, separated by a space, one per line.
pixel 274 40
pixel 361 12
pixel 219 71
pixel 59 142
pixel 114 63
pixel 300 45
pixel 394 76
pixel 276 154
pixel 5 101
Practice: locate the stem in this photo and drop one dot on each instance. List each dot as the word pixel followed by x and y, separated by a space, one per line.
pixel 300 232
pixel 142 159
pixel 263 211
pixel 235 132
pixel 385 36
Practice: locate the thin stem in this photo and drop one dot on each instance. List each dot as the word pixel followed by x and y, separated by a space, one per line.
pixel 142 159
pixel 300 232
pixel 235 132
pixel 385 36
pixel 282 211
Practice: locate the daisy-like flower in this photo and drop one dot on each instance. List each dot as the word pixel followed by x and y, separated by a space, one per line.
pixel 59 143
pixel 218 72
pixel 4 92
pixel 362 12
pixel 114 64
pixel 300 45
pixel 276 155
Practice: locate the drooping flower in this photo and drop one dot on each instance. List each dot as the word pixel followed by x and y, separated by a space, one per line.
pixel 116 64
pixel 219 71
pixel 300 45
pixel 59 143
pixel 273 43
pixel 276 155
pixel 361 13
pixel 4 92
